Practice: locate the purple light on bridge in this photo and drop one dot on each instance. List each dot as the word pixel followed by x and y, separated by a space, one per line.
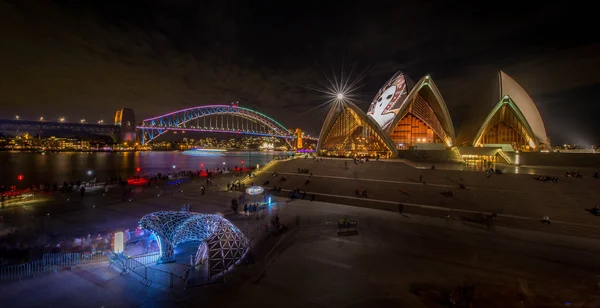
pixel 211 131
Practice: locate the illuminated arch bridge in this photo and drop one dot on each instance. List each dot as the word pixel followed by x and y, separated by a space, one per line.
pixel 221 243
pixel 215 119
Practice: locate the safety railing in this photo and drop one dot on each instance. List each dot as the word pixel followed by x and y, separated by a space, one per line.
pixel 147 258
pixel 503 155
pixel 409 162
pixel 50 262
pixel 249 176
pixel 148 275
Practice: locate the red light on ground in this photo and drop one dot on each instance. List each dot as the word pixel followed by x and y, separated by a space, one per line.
pixel 138 169
pixel 20 177
pixel 242 162
pixel 201 165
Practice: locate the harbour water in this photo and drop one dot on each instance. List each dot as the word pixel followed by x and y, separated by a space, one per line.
pixel 36 168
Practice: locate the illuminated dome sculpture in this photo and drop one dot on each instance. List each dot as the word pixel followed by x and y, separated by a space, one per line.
pixel 413 116
pixel 348 131
pixel 514 121
pixel 221 243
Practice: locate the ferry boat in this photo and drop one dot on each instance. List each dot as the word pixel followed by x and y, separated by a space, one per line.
pixel 210 150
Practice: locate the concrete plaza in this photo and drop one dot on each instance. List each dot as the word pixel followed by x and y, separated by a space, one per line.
pixel 395 260
pixel 518 199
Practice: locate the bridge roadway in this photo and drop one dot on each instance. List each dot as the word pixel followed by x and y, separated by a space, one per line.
pixel 394 261
pixel 34 126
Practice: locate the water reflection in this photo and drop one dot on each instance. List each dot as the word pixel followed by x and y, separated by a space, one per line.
pixel 58 167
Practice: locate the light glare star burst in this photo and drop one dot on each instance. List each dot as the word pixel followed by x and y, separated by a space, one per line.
pixel 339 89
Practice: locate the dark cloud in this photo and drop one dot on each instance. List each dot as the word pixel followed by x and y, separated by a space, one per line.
pixel 88 58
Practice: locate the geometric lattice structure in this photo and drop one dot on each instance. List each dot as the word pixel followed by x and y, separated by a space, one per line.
pixel 225 248
pixel 423 117
pixel 348 131
pixel 515 120
pixel 222 243
pixel 215 119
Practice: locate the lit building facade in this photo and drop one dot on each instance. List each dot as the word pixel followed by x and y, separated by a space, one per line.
pixel 403 116
pixel 422 119
pixel 348 132
pixel 514 122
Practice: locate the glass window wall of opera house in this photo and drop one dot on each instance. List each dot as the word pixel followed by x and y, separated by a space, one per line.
pixel 413 116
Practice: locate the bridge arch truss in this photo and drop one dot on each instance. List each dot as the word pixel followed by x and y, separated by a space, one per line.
pixel 216 119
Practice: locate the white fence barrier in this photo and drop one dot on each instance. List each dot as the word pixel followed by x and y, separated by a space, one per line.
pixel 50 262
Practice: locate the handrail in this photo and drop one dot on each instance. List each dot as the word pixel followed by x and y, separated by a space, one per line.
pixel 148 274
pixel 508 160
pixel 50 262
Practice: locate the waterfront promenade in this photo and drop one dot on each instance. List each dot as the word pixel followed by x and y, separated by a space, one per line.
pixel 402 260
pixel 518 199
pixel 394 260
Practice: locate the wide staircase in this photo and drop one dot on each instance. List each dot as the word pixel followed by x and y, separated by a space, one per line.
pixel 431 156
pixel 506 157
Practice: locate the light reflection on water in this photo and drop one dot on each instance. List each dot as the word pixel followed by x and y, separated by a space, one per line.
pixel 58 167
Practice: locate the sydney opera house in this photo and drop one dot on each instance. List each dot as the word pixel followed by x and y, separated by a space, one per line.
pixel 406 116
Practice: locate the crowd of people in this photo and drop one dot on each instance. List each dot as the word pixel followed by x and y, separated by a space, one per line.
pixel 575 174
pixel 27 244
pixel 546 178
pixel 17 247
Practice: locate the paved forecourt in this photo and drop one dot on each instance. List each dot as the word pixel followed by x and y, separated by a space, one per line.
pixel 394 260
pixel 511 195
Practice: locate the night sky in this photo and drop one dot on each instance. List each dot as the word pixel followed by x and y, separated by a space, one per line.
pixel 86 59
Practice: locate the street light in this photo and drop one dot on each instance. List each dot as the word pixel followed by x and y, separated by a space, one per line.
pixel 62 119
pixel 100 121
pixel 17 117
pixel 82 120
pixel 41 118
pixel 20 177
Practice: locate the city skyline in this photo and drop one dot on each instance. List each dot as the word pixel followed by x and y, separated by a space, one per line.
pixel 180 54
